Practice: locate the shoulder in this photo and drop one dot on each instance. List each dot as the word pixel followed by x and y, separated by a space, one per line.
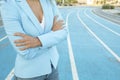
pixel 53 2
pixel 9 5
pixel 54 6
pixel 8 9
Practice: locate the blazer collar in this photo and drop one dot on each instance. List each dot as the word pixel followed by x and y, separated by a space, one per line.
pixel 25 7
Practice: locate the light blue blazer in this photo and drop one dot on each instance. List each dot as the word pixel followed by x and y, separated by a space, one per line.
pixel 18 17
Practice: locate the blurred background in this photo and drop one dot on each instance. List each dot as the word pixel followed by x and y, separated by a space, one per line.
pixel 92 49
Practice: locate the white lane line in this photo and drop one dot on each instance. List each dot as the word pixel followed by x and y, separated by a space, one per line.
pixel 107 18
pixel 101 42
pixel 3 38
pixel 72 60
pixel 111 19
pixel 10 76
pixel 109 29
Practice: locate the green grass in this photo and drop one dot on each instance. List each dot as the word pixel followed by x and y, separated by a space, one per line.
pixel 108 6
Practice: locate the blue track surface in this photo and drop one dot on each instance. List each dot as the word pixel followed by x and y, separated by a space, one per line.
pixel 93 61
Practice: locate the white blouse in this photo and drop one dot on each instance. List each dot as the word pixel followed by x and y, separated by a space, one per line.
pixel 43 23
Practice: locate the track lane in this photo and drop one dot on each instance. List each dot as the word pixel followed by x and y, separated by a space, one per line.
pixel 109 38
pixel 113 26
pixel 102 65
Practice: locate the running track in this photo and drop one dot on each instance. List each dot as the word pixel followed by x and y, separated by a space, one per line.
pixel 91 52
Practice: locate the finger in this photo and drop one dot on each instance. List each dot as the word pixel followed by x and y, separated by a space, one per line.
pixel 55 18
pixel 60 24
pixel 60 21
pixel 19 34
pixel 21 44
pixel 20 41
pixel 24 48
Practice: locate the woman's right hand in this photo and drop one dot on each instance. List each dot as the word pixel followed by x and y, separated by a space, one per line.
pixel 57 24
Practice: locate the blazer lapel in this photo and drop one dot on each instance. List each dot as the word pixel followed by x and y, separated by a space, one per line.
pixel 23 5
pixel 47 14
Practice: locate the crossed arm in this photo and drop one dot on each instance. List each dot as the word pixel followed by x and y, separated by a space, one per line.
pixel 25 45
pixel 31 42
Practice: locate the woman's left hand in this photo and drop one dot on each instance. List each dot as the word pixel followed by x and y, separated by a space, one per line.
pixel 26 41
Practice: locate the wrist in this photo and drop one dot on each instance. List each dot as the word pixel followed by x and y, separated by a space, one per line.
pixel 37 42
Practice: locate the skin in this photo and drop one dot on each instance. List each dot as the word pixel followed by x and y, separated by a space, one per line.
pixel 29 41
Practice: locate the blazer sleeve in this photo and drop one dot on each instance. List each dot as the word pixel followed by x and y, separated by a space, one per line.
pixel 54 37
pixel 12 25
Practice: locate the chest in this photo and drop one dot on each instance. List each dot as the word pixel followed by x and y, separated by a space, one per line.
pixel 31 15
pixel 36 8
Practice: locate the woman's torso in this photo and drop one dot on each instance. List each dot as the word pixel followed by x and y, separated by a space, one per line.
pixel 30 19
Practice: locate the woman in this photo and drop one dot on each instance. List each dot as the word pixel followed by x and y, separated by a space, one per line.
pixel 34 28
